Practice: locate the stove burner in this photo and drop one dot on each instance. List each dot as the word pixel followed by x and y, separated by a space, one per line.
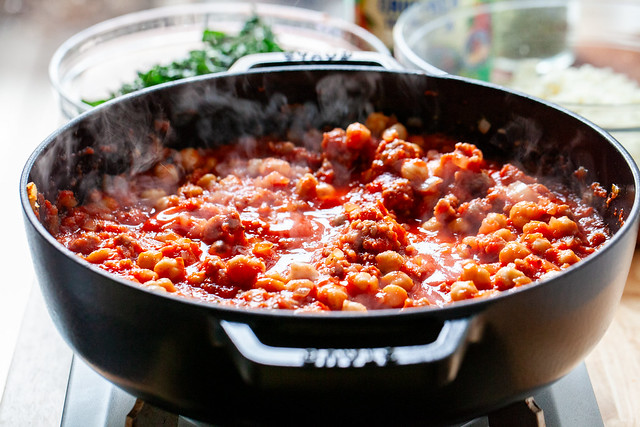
pixel 92 400
pixel 524 414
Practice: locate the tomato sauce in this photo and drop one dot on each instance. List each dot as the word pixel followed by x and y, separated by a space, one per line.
pixel 369 218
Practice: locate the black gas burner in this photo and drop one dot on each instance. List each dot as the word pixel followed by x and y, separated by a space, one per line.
pixel 93 401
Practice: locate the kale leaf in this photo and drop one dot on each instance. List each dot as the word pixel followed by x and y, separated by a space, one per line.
pixel 220 51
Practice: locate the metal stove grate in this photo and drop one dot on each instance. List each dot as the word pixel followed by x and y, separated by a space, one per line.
pixel 93 401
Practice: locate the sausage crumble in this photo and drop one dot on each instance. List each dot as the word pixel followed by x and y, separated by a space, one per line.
pixel 374 218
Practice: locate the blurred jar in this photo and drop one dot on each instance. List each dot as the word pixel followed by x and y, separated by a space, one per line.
pixel 379 16
pixel 581 54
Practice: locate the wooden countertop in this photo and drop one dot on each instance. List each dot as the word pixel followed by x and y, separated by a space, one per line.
pixel 614 365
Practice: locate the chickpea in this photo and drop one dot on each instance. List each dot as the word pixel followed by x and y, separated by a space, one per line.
pixel 394 296
pixel 539 227
pixel 270 285
pixel 332 295
pixel 170 268
pixel 567 256
pixel 167 236
pixel 519 191
pixel 463 250
pixel 167 172
pixel 562 226
pixel 505 234
pixel 364 282
pixel 353 306
pixel 145 275
pixel 302 270
pixel 351 255
pixel 109 203
pixel 163 283
pixel 388 261
pixel 397 278
pixel 99 255
pixel 523 212
pixel 253 166
pixel 377 123
pixel 276 275
pixel 459 225
pixel 513 251
pixel 206 180
pixel 300 288
pixel 325 191
pixel 306 186
pixel 272 164
pixel 153 195
pixel 334 257
pixel 480 276
pixel 149 259
pixel 432 224
pixel 210 163
pixel 473 242
pixel 492 222
pixel 190 159
pixel 155 288
pixel 430 186
pixel 414 170
pixel 273 179
pixel 166 202
pixel 540 245
pixel 284 147
pixel 395 131
pixel 244 270
pixel 508 277
pixel 358 136
pixel 191 190
pixel 196 278
pixel 462 290
pixel 484 125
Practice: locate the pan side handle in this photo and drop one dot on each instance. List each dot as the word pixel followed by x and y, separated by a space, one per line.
pixel 268 366
pixel 287 59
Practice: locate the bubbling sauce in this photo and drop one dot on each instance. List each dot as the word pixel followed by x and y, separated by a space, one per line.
pixel 372 218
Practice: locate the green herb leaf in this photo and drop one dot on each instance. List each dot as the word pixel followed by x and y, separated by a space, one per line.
pixel 220 51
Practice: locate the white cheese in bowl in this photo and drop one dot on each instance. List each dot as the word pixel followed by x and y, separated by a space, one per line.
pixel 585 84
pixel 608 98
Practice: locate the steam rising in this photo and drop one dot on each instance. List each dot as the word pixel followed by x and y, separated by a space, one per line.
pixel 128 135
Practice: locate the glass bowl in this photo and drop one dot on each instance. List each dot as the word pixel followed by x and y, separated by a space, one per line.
pixel 581 54
pixel 98 60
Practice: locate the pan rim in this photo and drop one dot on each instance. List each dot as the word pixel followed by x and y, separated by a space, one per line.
pixel 454 310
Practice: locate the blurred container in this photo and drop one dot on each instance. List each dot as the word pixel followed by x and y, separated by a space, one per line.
pixel 98 60
pixel 379 16
pixel 540 48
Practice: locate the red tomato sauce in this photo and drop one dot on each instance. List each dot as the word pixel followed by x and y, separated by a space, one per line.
pixel 371 218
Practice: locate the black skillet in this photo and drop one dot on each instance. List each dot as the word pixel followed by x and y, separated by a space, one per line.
pixel 420 366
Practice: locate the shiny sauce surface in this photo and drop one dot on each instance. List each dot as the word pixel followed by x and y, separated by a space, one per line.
pixel 370 217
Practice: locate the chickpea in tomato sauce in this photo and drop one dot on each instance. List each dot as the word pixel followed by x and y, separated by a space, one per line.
pixel 372 218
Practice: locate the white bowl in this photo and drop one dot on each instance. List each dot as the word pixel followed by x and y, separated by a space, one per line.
pixel 539 47
pixel 98 60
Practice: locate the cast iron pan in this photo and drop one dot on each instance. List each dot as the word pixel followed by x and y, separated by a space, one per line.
pixel 420 366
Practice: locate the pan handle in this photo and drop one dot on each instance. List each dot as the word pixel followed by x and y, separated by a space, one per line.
pixel 266 366
pixel 277 59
